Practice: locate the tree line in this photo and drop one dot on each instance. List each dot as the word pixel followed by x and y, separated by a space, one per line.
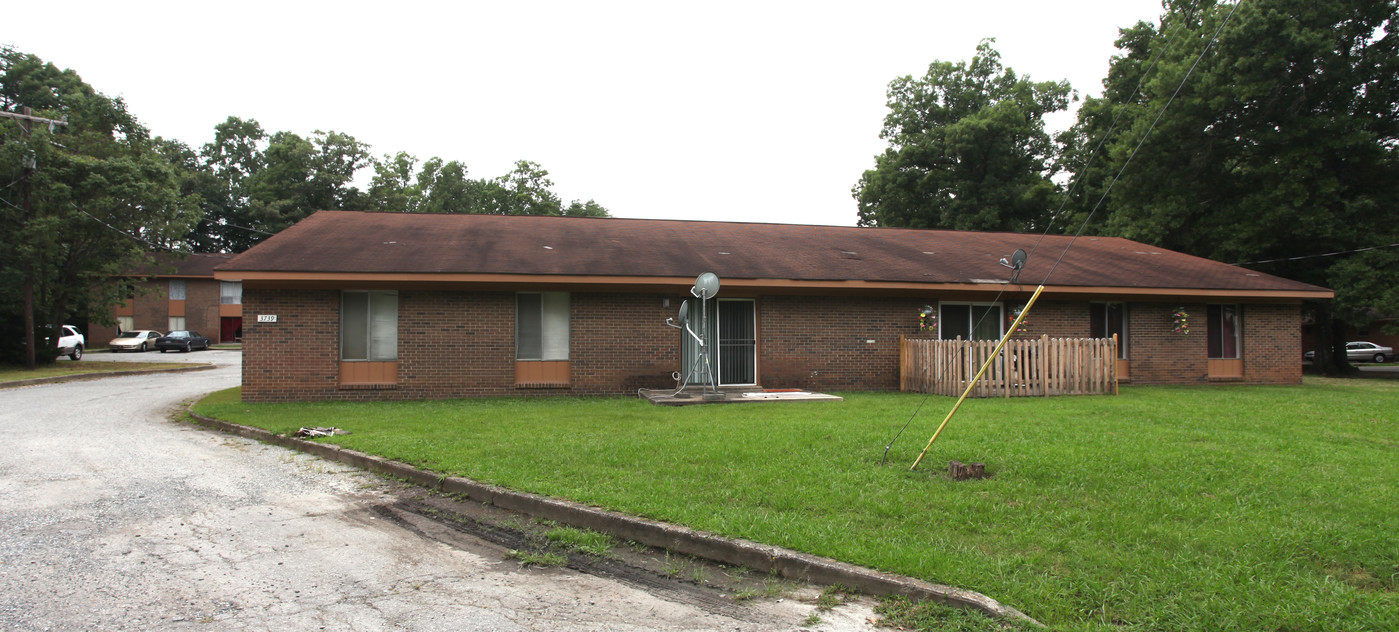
pixel 87 194
pixel 252 184
pixel 1262 133
pixel 1273 127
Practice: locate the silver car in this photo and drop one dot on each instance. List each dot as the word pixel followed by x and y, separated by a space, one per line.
pixel 139 340
pixel 1368 352
pixel 1361 351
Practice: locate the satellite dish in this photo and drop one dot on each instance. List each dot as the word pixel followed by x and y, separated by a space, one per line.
pixel 1017 261
pixel 684 317
pixel 706 285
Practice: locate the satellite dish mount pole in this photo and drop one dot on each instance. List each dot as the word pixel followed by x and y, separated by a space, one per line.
pixel 706 286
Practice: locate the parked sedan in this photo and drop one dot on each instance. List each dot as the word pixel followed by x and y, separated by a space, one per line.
pixel 1368 352
pixel 139 340
pixel 183 340
pixel 1361 351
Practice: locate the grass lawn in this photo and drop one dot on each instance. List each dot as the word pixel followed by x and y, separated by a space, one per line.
pixel 9 373
pixel 1165 508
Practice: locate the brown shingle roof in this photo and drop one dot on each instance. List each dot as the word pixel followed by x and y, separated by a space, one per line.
pixel 176 264
pixel 345 242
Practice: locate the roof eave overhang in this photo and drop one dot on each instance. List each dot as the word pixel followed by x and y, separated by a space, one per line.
pixel 733 286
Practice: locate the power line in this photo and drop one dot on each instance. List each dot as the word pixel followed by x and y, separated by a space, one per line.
pixel 251 230
pixel 1089 217
pixel 128 235
pixel 1318 256
pixel 1118 176
pixel 1054 217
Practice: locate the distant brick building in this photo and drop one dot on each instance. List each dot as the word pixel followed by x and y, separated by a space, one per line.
pixel 348 305
pixel 179 292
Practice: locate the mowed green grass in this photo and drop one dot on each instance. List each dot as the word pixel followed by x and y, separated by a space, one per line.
pixel 1164 508
pixel 65 368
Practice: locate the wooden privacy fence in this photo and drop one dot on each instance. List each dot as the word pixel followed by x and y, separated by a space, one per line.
pixel 1026 368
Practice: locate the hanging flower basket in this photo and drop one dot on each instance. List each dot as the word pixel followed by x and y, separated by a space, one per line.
pixel 1180 321
pixel 1013 313
pixel 927 320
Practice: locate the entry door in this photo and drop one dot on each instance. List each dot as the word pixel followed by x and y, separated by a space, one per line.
pixel 738 342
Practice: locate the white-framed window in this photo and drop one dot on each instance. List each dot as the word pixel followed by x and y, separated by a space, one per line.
pixel 177 323
pixel 231 293
pixel 126 323
pixel 177 289
pixel 1225 327
pixel 369 326
pixel 541 326
pixel 970 321
pixel 1109 319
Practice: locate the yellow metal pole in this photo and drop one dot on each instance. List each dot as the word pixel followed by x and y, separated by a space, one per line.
pixel 972 384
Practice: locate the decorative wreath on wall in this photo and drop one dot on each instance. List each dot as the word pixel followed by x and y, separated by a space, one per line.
pixel 1180 320
pixel 927 320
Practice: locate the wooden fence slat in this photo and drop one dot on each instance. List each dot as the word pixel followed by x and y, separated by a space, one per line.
pixel 1041 367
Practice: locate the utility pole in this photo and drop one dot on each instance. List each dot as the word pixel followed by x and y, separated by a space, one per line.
pixel 26 123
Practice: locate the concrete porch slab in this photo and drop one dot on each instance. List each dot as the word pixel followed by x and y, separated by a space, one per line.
pixel 693 396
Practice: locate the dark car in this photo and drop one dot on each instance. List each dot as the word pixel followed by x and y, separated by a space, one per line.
pixel 183 340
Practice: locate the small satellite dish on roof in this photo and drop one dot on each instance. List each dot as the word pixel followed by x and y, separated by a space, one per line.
pixel 706 286
pixel 684 317
pixel 1017 263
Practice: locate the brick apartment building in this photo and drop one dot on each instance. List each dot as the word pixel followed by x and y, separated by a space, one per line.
pixel 179 292
pixel 350 305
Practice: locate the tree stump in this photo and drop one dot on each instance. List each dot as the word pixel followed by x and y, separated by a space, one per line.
pixel 962 471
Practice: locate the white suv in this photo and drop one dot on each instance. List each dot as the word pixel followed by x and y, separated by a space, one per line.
pixel 71 342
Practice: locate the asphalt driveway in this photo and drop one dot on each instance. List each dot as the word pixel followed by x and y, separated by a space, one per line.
pixel 117 518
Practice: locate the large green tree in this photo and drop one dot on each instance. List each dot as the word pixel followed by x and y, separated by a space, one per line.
pixel 80 202
pixel 443 187
pixel 261 183
pixel 1280 145
pixel 967 150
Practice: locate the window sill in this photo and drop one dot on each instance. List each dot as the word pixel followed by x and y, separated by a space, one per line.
pixel 368 386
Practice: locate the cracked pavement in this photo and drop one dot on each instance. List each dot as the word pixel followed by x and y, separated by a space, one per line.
pixel 117 518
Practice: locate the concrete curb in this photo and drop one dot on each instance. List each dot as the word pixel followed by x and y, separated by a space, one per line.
pixel 760 557
pixel 97 375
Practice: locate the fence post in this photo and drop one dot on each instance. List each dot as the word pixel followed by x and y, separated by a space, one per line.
pixel 1115 342
pixel 903 366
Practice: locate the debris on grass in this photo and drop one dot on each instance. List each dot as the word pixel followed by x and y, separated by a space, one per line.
pixel 319 432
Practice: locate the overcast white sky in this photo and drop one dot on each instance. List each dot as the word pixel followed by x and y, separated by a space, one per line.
pixel 735 111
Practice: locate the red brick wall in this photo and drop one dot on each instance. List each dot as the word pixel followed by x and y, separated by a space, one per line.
pixel 150 309
pixel 1272 348
pixel 824 343
pixel 462 344
pixel 620 342
pixel 454 344
pixel 297 357
pixel 201 307
pixel 1056 319
pixel 1272 345
pixel 1161 356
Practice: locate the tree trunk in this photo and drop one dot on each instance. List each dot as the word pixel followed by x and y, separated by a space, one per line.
pixel 1330 344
